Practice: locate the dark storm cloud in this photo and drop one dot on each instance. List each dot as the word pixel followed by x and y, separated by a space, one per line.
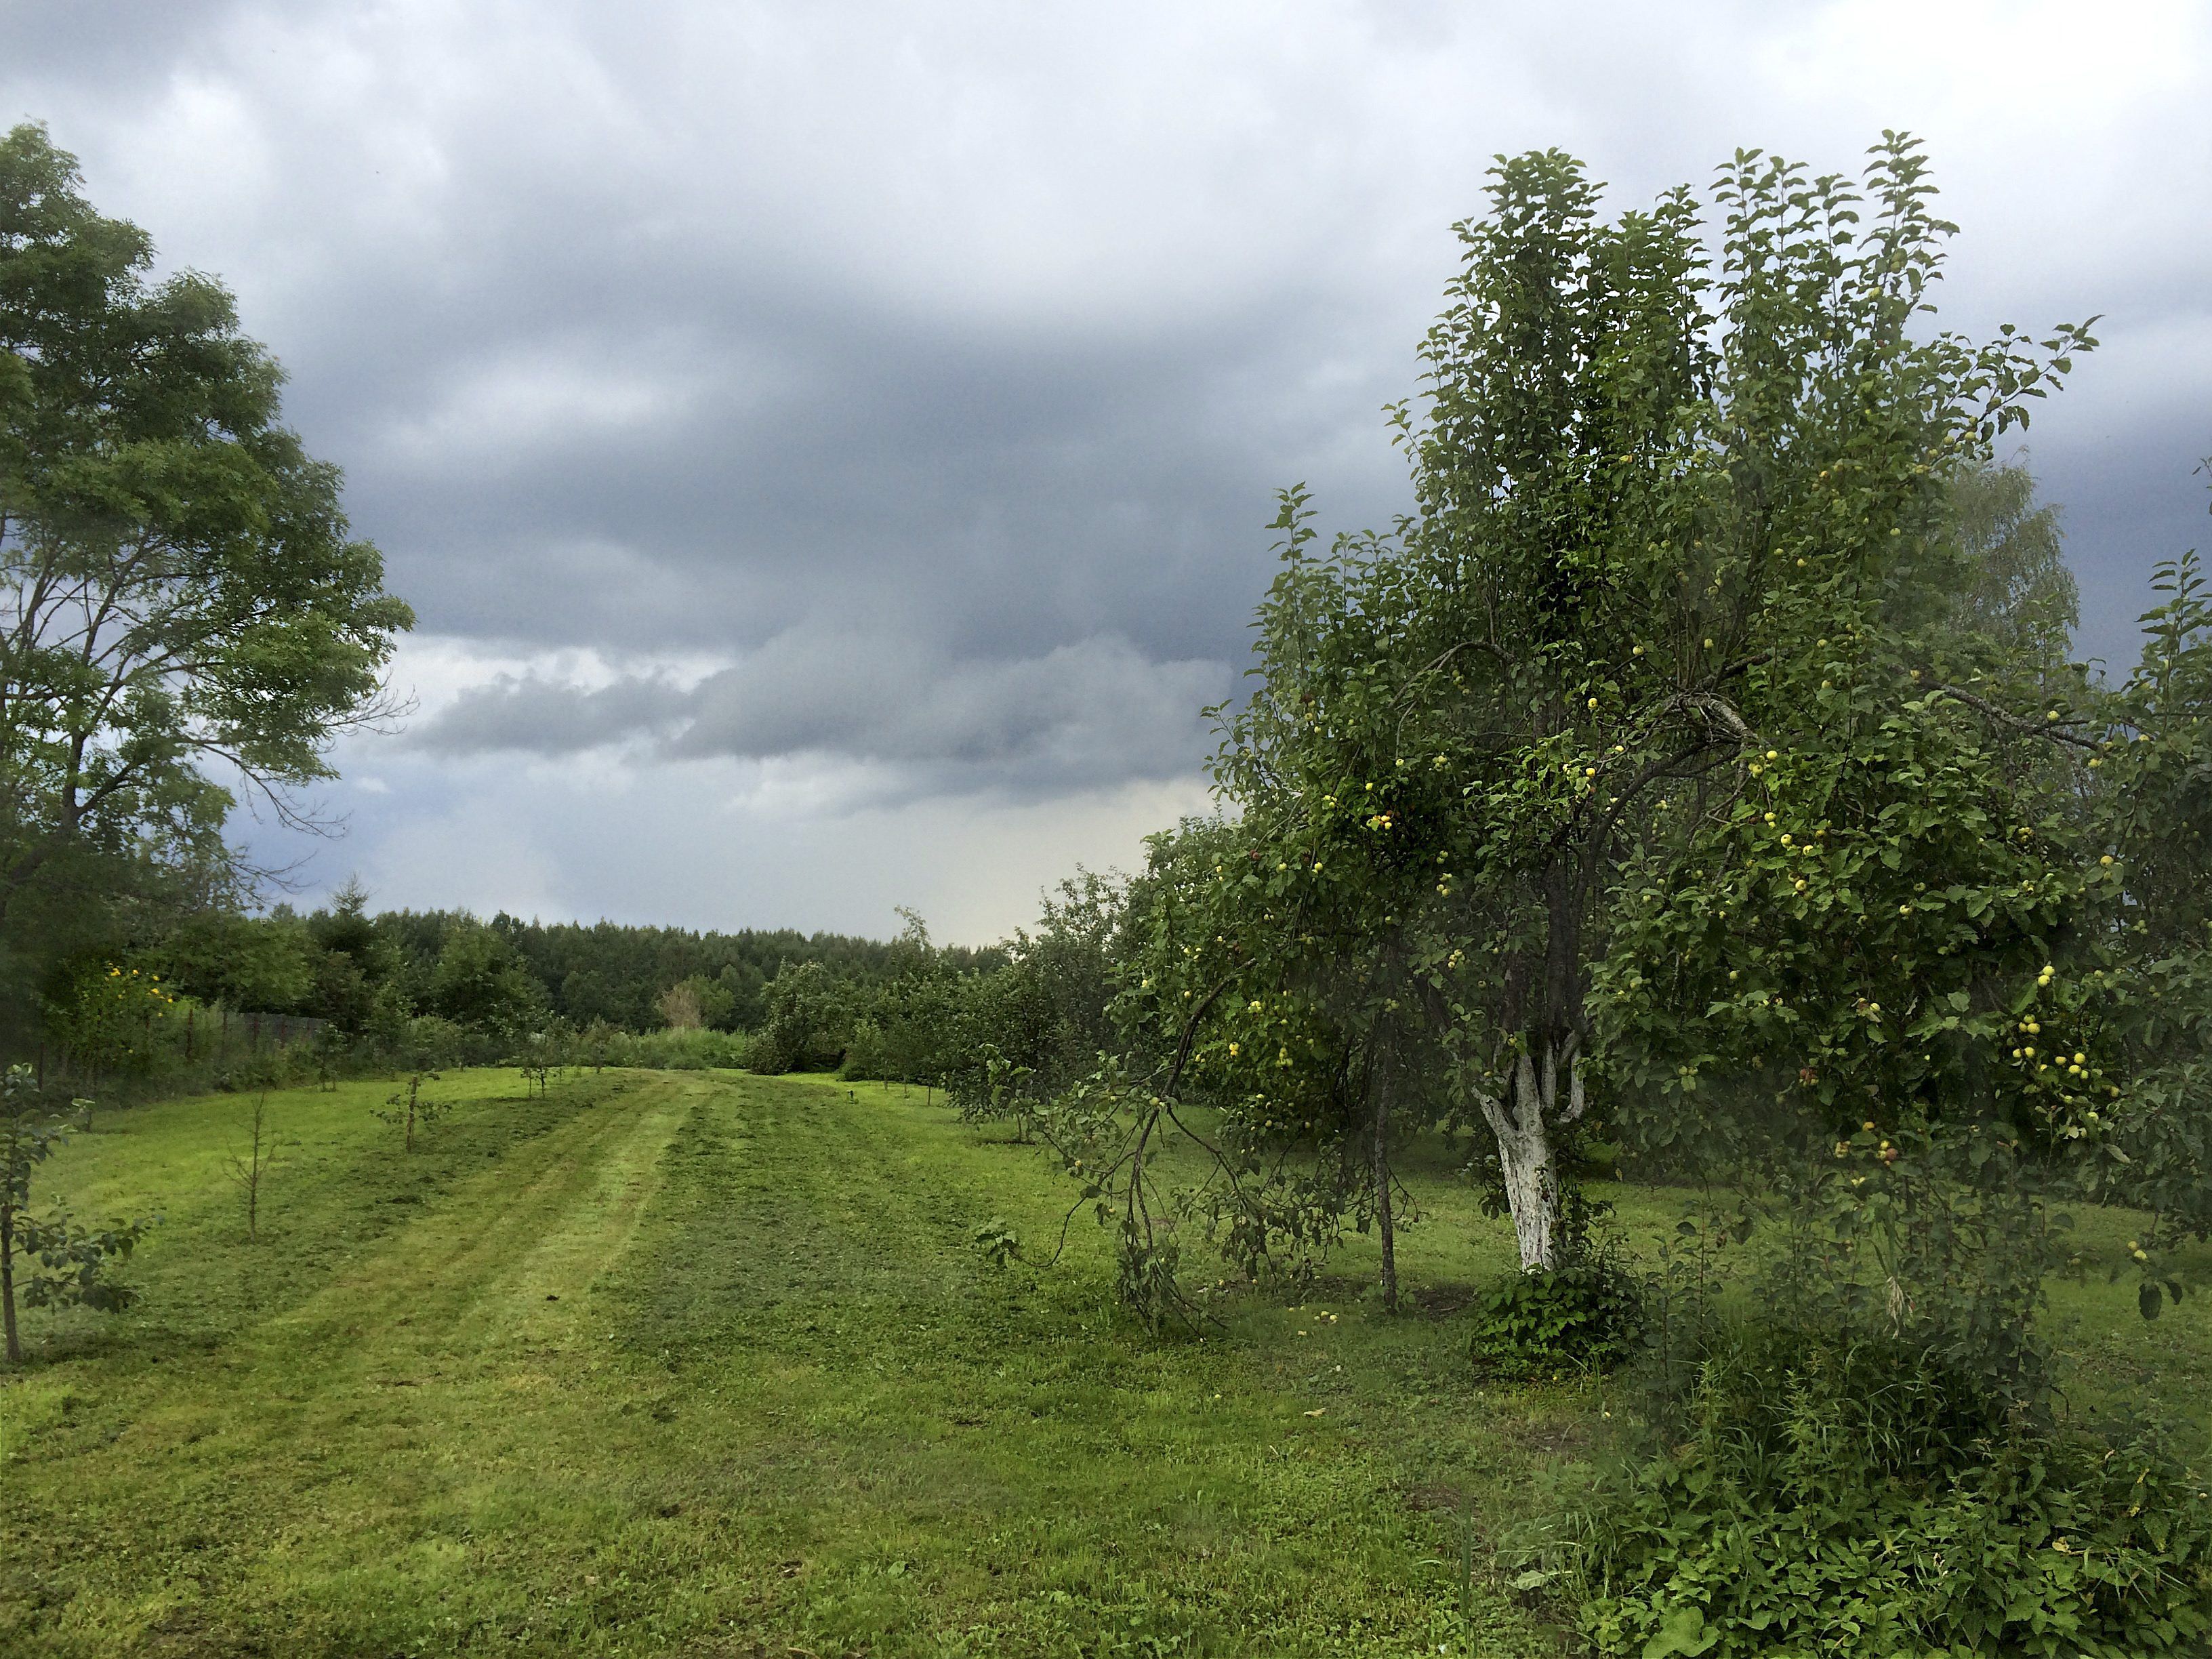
pixel 1094 714
pixel 610 363
pixel 529 713
pixel 685 326
pixel 995 495
pixel 903 388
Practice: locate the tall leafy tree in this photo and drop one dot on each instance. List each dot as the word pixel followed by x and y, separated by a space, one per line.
pixel 2148 999
pixel 353 961
pixel 1684 528
pixel 181 603
pixel 2019 598
pixel 479 982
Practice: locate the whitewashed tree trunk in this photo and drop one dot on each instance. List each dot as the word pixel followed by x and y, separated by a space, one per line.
pixel 1544 1093
pixel 1532 1190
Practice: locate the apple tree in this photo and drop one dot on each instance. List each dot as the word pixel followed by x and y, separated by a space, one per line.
pixel 1683 531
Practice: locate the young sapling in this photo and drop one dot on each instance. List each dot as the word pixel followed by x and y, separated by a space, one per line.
pixel 412 1110
pixel 247 1168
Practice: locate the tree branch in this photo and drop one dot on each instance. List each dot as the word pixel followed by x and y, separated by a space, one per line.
pixel 2052 731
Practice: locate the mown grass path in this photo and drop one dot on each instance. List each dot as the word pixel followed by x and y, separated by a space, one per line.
pixel 703 1363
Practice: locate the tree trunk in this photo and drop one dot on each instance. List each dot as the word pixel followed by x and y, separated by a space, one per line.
pixel 1524 1123
pixel 1532 1188
pixel 1385 1222
pixel 7 1281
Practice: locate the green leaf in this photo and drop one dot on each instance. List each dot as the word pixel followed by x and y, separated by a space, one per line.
pixel 1683 1632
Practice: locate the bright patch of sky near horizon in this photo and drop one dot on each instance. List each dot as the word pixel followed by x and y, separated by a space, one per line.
pixel 828 446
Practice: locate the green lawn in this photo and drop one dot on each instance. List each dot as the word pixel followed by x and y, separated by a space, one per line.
pixel 706 1363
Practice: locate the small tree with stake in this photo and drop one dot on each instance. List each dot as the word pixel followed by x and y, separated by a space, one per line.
pixel 540 1056
pixel 411 1108
pixel 51 1260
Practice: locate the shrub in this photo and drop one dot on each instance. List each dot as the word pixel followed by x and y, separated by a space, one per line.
pixel 1867 1457
pixel 679 1007
pixel 694 1049
pixel 865 1059
pixel 808 1020
pixel 1861 1502
pixel 1535 1323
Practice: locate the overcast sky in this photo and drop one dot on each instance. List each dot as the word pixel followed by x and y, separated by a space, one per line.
pixel 828 445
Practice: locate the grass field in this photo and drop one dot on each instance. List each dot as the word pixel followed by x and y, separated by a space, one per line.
pixel 706 1363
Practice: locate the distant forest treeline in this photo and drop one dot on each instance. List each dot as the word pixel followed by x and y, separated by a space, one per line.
pixel 360 970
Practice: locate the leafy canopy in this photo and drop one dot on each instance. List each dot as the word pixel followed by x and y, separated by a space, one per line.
pixel 180 598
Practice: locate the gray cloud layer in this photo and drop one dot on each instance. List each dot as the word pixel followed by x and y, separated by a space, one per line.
pixel 1094 714
pixel 678 323
pixel 935 365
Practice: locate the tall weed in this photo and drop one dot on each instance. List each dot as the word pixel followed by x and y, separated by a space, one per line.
pixel 1865 1455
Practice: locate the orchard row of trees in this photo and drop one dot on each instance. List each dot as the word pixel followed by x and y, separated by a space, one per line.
pixel 1698 776
pixel 1003 1031
pixel 1698 766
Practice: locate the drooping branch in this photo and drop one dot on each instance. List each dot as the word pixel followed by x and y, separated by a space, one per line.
pixel 2052 731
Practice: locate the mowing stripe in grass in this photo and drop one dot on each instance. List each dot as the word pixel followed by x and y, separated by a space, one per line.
pixel 780 1401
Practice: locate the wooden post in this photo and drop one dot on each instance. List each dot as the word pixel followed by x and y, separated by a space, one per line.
pixel 189 1011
